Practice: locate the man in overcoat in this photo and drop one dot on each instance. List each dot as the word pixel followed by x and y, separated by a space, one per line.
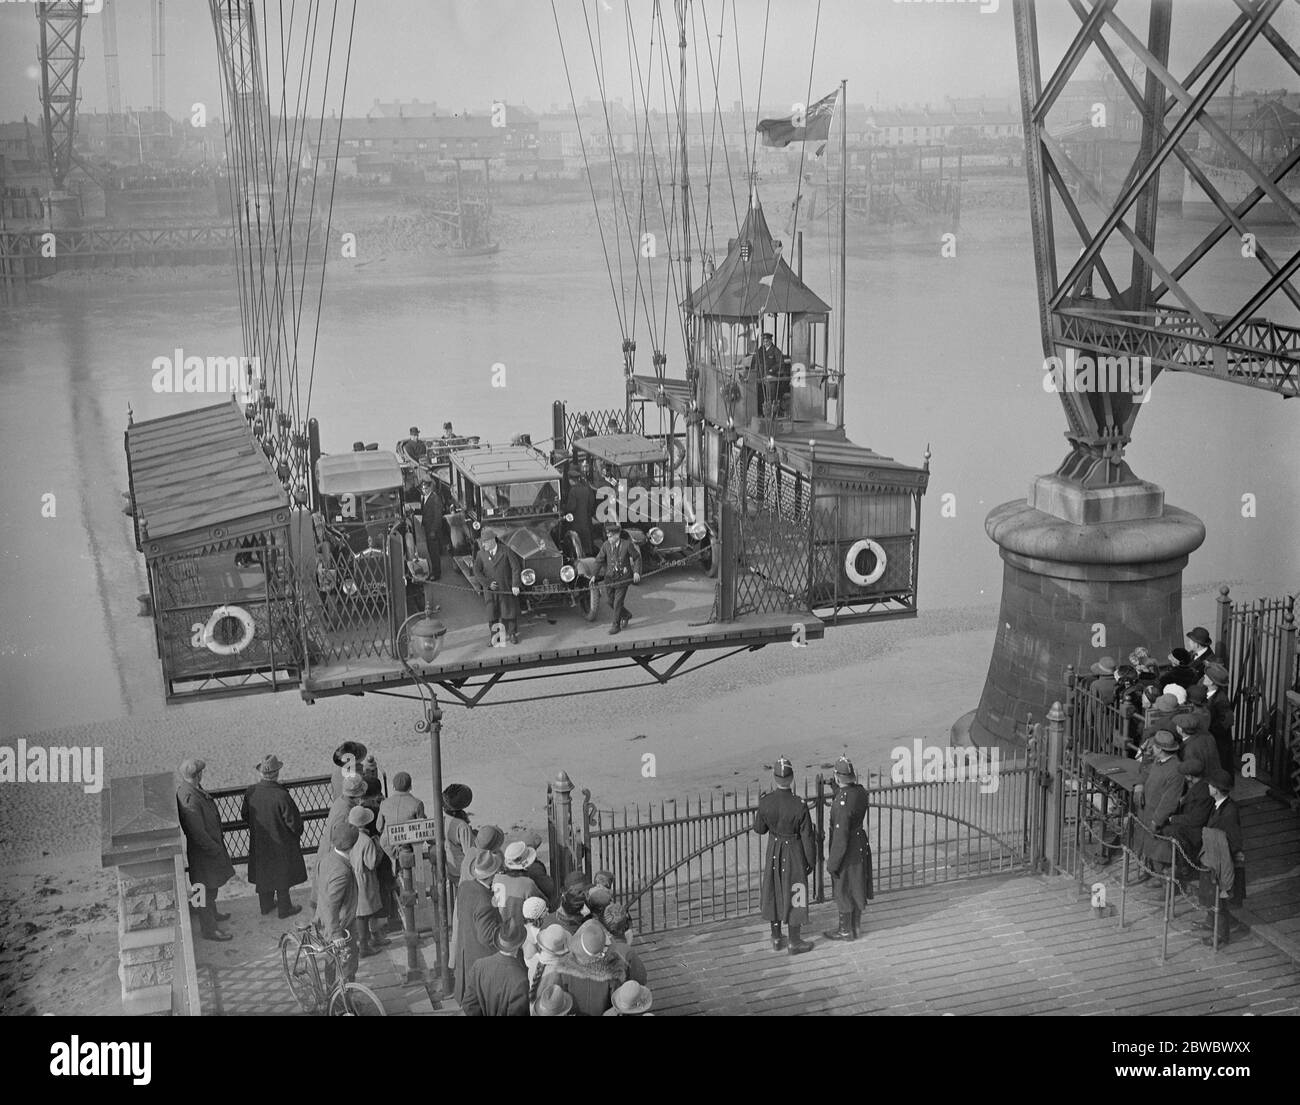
pixel 336 902
pixel 620 560
pixel 209 862
pixel 848 852
pixel 498 984
pixel 791 853
pixel 497 570
pixel 275 863
pixel 1221 717
pixel 477 920
pixel 580 507
pixel 1223 877
pixel 1158 797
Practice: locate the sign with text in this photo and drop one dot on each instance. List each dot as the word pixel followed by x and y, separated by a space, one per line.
pixel 411 832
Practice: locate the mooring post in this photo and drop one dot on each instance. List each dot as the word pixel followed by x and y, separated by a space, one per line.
pixel 1223 625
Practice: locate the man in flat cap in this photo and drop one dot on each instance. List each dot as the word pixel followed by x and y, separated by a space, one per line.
pixel 1222 857
pixel 496 571
pixel 1215 681
pixel 275 863
pixel 791 853
pixel 848 852
pixel 619 561
pixel 336 900
pixel 209 862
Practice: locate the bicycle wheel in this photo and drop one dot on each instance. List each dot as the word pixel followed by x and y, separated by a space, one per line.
pixel 352 999
pixel 300 973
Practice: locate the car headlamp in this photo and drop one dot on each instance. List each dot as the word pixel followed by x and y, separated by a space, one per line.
pixel 528 577
pixel 656 536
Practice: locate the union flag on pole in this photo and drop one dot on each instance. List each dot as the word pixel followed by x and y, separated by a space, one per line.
pixel 811 125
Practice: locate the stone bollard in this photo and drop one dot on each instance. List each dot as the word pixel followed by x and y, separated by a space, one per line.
pixel 142 839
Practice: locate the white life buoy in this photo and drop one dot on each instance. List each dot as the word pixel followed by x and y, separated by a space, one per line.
pixel 851 562
pixel 243 617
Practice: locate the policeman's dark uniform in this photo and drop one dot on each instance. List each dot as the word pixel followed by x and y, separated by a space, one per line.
pixel 498 575
pixel 848 852
pixel 791 854
pixel 621 560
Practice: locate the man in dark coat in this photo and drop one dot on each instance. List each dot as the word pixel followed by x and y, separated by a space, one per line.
pixel 1185 826
pixel 1199 751
pixel 274 848
pixel 1221 718
pixel 848 852
pixel 209 862
pixel 431 521
pixel 1202 655
pixel 768 364
pixel 1157 797
pixel 791 853
pixel 620 561
pixel 477 920
pixel 498 984
pixel 497 570
pixel 580 510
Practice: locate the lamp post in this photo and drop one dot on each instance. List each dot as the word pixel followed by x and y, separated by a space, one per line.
pixel 424 641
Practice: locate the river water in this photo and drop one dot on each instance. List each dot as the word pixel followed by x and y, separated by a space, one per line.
pixel 942 351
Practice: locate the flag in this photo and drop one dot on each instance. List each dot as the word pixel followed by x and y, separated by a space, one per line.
pixel 816 120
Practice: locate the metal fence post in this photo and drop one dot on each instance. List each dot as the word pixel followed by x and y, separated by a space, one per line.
pixel 1286 666
pixel 1054 785
pixel 562 861
pixel 1222 621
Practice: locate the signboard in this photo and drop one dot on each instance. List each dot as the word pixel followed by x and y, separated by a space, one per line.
pixel 411 832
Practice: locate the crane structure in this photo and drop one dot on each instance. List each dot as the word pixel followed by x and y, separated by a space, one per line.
pixel 1093 558
pixel 60 58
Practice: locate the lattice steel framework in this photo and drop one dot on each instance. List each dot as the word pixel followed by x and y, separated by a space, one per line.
pixel 60 58
pixel 1161 320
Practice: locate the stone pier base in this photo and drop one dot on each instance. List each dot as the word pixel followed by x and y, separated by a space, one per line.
pixel 1073 592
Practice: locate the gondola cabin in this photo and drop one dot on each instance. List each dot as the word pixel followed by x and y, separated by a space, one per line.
pixel 213 523
pixel 825 525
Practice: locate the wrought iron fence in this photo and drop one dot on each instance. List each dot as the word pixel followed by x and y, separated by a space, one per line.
pixel 616 421
pixel 312 796
pixel 1257 641
pixel 691 861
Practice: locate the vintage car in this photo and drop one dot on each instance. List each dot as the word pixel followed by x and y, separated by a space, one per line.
pixel 515 490
pixel 641 484
pixel 360 509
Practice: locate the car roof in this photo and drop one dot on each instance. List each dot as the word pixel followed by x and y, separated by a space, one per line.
pixel 621 448
pixel 373 470
pixel 511 464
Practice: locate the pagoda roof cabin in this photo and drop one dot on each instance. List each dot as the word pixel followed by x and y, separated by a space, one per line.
pixel 754 290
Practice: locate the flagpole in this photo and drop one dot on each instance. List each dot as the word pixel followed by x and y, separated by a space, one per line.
pixel 844 212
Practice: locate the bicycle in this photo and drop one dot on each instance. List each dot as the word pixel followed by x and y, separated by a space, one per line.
pixel 299 952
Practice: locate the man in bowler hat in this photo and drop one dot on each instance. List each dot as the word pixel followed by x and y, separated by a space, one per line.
pixel 848 854
pixel 1201 652
pixel 497 571
pixel 791 853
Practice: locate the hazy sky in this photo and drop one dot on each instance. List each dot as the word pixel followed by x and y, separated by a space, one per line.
pixel 467 53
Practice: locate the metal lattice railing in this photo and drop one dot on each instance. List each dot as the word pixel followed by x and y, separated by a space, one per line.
pixel 773 572
pixel 312 796
pixel 605 422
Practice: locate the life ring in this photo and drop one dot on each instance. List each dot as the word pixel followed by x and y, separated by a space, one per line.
pixel 851 562
pixel 243 617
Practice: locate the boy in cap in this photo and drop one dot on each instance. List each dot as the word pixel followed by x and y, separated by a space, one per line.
pixel 275 863
pixel 1222 842
pixel 620 560
pixel 497 572
pixel 848 852
pixel 370 899
pixel 618 923
pixel 791 853
pixel 336 903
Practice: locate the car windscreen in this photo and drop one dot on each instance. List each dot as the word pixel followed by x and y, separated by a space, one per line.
pixel 533 497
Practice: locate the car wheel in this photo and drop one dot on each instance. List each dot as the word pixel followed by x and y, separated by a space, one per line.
pixel 589 600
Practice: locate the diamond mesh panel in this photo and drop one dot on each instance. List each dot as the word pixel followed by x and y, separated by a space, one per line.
pixel 312 796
